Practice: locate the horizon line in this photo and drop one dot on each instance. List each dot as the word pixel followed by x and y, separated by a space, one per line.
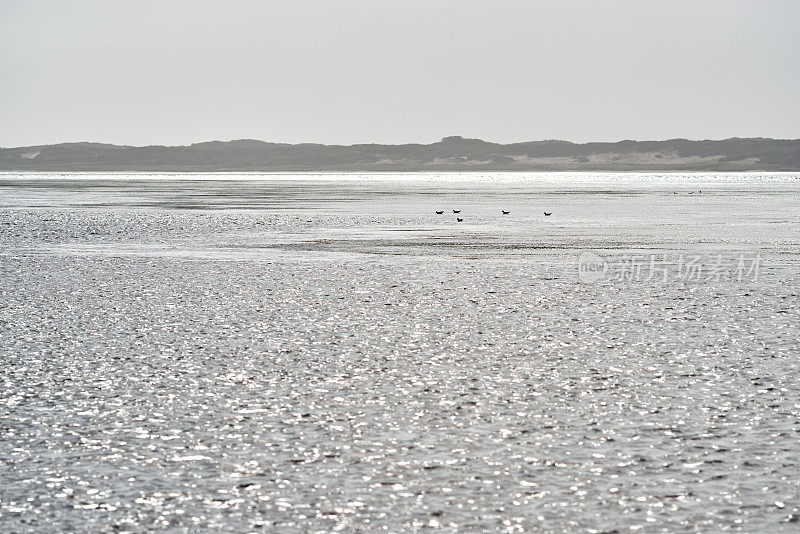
pixel 442 140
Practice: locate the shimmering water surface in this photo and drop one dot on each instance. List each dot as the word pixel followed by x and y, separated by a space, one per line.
pixel 301 353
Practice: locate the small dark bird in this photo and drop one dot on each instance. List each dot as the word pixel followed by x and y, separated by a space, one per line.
pixel 459 219
pixel 505 212
pixel 548 214
pixel 456 211
pixel 439 212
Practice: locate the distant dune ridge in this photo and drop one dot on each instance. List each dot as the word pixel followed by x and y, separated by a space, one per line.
pixel 450 154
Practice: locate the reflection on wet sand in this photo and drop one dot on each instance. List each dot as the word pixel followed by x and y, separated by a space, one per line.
pixel 318 353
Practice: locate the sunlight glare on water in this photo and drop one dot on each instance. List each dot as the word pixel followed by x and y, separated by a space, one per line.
pixel 324 352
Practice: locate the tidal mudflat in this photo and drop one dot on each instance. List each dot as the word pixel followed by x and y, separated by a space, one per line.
pixel 301 353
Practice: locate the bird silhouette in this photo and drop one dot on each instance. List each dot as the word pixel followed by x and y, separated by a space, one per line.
pixel 439 212
pixel 459 219
pixel 456 211
pixel 505 212
pixel 546 214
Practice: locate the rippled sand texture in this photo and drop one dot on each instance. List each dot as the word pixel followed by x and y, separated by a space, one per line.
pixel 317 353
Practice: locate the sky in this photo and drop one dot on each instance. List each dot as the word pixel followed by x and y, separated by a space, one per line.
pixel 174 72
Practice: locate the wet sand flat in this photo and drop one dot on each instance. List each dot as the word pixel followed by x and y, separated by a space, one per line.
pixel 302 353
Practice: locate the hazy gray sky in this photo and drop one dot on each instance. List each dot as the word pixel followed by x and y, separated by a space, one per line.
pixel 177 72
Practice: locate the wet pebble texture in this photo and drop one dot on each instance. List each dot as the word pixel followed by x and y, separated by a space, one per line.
pixel 315 354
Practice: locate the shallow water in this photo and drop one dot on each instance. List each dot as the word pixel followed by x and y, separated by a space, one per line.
pixel 324 352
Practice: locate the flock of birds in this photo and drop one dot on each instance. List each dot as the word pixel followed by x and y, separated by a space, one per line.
pixel 504 212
